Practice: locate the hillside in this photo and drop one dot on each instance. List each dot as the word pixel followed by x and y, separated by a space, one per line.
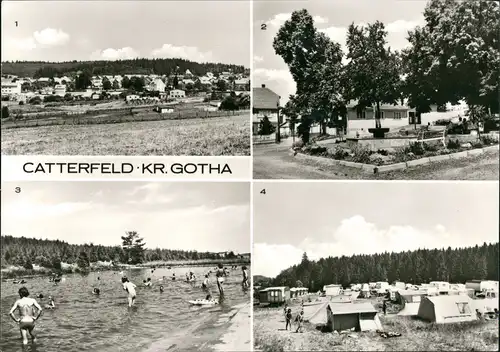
pixel 121 67
pixel 22 251
pixel 259 279
pixel 420 266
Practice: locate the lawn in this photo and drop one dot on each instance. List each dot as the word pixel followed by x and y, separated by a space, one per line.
pixel 206 137
pixel 269 335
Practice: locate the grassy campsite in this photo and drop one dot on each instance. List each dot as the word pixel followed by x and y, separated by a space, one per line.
pixel 460 314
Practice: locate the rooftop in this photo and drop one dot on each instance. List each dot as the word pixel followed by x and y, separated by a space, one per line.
pixel 350 308
pixel 265 98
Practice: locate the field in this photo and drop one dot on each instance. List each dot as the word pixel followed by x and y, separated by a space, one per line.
pixel 212 136
pixel 270 335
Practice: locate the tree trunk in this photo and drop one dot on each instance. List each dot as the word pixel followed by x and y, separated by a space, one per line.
pixel 377 116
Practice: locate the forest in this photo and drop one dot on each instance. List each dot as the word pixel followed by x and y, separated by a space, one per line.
pixel 24 252
pixel 416 267
pixel 136 66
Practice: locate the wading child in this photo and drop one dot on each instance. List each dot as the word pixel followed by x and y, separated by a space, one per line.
pixel 288 318
pixel 130 288
pixel 29 311
pixel 300 319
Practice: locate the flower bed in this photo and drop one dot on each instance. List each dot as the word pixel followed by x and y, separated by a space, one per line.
pixel 381 157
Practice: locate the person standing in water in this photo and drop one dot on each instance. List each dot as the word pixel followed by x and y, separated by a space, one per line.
pixel 29 311
pixel 244 283
pixel 204 284
pixel 220 274
pixel 130 288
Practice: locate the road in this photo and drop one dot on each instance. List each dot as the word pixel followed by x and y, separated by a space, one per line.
pixel 273 161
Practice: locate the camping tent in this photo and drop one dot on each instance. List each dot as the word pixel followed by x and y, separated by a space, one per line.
pixel 357 316
pixel 315 312
pixel 447 309
pixel 410 309
pixel 486 305
pixel 409 296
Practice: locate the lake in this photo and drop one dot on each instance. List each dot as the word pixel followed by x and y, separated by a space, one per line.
pixel 82 321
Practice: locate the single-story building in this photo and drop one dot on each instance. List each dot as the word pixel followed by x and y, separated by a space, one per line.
pixel 447 309
pixel 274 295
pixel 332 290
pixel 356 316
pixel 164 109
pixel 298 292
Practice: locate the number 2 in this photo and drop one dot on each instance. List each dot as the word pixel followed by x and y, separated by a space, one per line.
pixel 263 27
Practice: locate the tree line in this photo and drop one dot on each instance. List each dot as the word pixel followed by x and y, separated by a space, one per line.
pixel 24 252
pixel 454 56
pixel 416 267
pixel 119 67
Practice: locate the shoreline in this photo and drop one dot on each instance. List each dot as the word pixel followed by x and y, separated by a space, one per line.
pixel 12 274
pixel 223 331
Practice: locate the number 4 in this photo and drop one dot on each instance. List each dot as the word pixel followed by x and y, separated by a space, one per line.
pixel 263 191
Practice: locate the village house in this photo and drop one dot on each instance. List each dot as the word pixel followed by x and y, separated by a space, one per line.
pixel 242 84
pixel 176 94
pixel 188 73
pixel 164 109
pixel 156 85
pixel 60 89
pixel 10 88
pixel 265 103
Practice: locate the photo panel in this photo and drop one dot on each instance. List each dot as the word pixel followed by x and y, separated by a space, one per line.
pixel 174 83
pixel 348 266
pixel 129 266
pixel 380 90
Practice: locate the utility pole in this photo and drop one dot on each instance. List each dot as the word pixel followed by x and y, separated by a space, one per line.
pixel 278 128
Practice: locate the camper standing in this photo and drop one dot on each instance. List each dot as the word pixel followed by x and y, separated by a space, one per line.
pixel 299 320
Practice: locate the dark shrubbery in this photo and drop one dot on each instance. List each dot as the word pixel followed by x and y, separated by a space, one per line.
pixel 453 144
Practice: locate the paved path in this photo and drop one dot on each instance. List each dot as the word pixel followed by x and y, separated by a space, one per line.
pixel 275 162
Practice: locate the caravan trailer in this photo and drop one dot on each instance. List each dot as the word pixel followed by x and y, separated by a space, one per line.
pixel 482 285
pixel 332 290
pixel 442 287
pixel 274 295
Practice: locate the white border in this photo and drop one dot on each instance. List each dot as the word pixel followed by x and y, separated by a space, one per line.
pixel 251 180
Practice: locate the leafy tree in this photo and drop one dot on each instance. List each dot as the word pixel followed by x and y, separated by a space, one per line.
pixel 176 82
pixel 106 84
pixel 83 261
pixel 299 283
pixel 5 112
pixel 126 82
pixel 229 103
pixel 28 265
pixel 290 111
pixel 83 80
pixel 315 64
pixel 221 85
pixel 115 85
pixel 133 245
pixel 372 74
pixel 266 127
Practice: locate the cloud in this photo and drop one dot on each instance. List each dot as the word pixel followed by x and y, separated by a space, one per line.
pixel 280 81
pixel 115 54
pixel 183 52
pixel 279 19
pixel 258 59
pixel 354 235
pixel 51 37
pixel 320 20
pixel 403 26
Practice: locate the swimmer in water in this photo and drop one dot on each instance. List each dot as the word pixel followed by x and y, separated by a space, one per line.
pixel 173 277
pixel 219 274
pixel 148 283
pixel 130 288
pixel 192 277
pixel 96 291
pixel 29 311
pixel 161 289
pixel 204 285
pixel 51 304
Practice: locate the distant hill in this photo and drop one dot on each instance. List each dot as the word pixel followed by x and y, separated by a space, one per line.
pixel 121 67
pixel 259 280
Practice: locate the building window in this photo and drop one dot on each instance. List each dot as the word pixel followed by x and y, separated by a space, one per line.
pixel 397 114
pixel 361 114
pixel 463 308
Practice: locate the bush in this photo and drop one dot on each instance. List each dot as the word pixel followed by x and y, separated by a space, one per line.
pixel 5 112
pixel 382 152
pixel 298 144
pixel 442 122
pixel 338 153
pixel 21 102
pixel 315 150
pixel 477 144
pixel 416 148
pixel 35 101
pixel 361 154
pixel 453 144
pixel 487 140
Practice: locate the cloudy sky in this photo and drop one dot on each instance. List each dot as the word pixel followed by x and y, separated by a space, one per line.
pixel 338 218
pixel 332 18
pixel 202 31
pixel 201 216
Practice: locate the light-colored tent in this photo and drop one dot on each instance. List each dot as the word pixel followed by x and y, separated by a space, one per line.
pixel 447 309
pixel 357 316
pixel 332 290
pixel 410 296
pixel 315 312
pixel 410 309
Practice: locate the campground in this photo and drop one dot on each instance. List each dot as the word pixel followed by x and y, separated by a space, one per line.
pixel 416 335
